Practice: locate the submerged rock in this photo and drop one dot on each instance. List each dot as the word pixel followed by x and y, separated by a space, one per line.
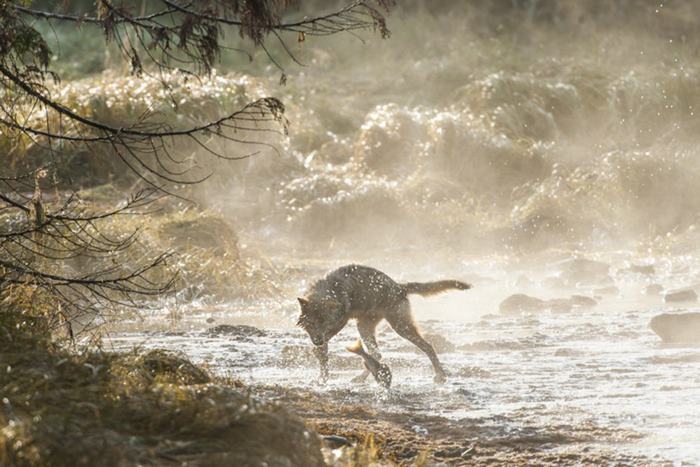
pixel 677 327
pixel 239 330
pixel 519 303
pixel 581 301
pixel 335 441
pixel 654 289
pixel 687 295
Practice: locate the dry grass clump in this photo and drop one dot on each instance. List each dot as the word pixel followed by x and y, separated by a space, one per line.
pixel 174 99
pixel 61 408
pixel 207 256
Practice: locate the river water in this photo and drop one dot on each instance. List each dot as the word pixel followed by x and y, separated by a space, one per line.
pixel 595 377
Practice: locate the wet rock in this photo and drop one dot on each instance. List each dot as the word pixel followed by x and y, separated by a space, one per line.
pixel 449 452
pixel 687 295
pixel 472 372
pixel 654 289
pixel 677 327
pixel 440 343
pixel 519 303
pixel 335 441
pixel 560 305
pixel 236 330
pixel 210 320
pixel 585 271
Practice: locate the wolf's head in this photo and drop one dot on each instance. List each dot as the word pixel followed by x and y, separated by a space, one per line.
pixel 321 318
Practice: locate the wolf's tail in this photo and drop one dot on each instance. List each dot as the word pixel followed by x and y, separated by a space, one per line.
pixel 356 348
pixel 432 288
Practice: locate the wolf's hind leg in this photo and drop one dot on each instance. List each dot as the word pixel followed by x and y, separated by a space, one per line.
pixel 402 322
pixel 367 334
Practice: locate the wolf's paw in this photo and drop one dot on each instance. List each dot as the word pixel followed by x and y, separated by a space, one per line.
pixel 440 378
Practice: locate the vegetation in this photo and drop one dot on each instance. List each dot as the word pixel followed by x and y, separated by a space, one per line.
pixel 70 255
pixel 56 243
pixel 94 408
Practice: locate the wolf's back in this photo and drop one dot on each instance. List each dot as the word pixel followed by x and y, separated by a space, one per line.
pixel 433 288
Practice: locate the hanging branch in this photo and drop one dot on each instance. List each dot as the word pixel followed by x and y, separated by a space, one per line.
pixel 54 244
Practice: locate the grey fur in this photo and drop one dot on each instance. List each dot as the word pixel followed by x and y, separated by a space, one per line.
pixel 367 295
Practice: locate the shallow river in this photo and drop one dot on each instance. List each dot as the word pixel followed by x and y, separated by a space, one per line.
pixel 597 376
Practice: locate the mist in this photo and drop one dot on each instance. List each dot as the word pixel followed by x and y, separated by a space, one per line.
pixel 543 152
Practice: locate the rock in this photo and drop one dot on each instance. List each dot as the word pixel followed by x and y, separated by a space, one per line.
pixel 519 303
pixel 581 301
pixel 677 327
pixel 335 441
pixel 564 305
pixel 210 320
pixel 472 372
pixel 687 295
pixel 560 305
pixel 238 330
pixel 654 289
pixel 439 343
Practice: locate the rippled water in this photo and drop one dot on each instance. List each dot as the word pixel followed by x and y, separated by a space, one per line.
pixel 597 377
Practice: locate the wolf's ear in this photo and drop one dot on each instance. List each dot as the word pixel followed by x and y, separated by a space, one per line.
pixel 304 302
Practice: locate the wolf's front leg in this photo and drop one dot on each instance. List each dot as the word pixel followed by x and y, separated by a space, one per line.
pixel 321 352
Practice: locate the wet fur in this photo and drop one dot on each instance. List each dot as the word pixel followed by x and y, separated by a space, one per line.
pixel 368 296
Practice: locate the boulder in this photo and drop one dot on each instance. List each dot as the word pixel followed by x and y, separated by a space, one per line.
pixel 687 295
pixel 519 303
pixel 581 301
pixel 564 305
pixel 237 330
pixel 677 327
pixel 440 343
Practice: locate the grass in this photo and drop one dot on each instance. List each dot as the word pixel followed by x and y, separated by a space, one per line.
pixel 156 408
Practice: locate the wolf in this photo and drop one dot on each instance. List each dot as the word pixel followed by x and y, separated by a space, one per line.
pixel 368 296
